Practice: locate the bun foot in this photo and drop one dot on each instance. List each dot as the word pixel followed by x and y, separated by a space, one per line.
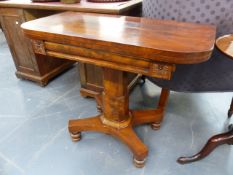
pixel 155 126
pixel 139 163
pixel 76 136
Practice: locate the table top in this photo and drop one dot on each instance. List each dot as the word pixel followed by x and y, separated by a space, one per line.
pixel 83 6
pixel 225 44
pixel 156 40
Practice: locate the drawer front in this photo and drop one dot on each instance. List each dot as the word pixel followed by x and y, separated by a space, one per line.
pixel 104 59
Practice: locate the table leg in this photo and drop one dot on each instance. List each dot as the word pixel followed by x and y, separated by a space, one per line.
pixel 213 142
pixel 230 112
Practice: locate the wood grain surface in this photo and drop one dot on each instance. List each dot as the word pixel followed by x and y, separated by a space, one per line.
pixel 157 40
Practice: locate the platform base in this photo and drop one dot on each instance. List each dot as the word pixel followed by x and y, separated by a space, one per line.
pixel 44 79
pixel 126 134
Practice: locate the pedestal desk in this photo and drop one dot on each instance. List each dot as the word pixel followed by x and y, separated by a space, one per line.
pixel 39 68
pixel 121 44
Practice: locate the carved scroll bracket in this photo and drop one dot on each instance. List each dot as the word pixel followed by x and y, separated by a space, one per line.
pixel 38 47
pixel 161 70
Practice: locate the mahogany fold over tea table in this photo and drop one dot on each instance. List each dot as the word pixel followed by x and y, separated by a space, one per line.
pixel 121 44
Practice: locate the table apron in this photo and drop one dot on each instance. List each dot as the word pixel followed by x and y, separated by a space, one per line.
pixel 104 59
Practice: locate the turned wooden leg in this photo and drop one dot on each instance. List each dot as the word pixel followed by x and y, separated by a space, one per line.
pixel 161 106
pixel 230 112
pixel 213 142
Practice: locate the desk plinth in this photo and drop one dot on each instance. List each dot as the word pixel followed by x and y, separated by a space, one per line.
pixel 121 44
